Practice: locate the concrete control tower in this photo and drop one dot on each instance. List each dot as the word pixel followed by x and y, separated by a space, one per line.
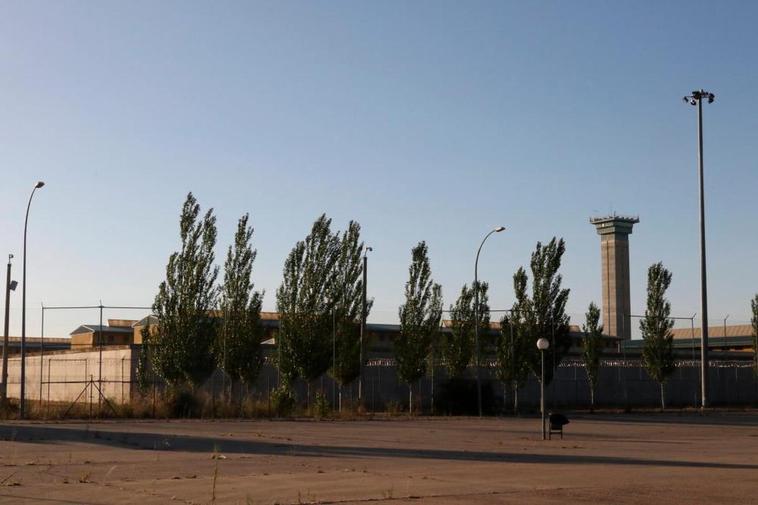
pixel 614 234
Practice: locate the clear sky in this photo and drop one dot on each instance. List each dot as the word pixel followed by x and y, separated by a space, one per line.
pixel 421 120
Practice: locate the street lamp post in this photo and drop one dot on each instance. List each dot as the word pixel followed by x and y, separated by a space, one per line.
pixel 364 315
pixel 334 360
pixel 727 317
pixel 476 319
pixel 696 99
pixel 9 286
pixel 542 344
pixel 22 407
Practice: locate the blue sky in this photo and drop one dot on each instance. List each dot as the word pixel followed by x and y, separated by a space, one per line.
pixel 421 120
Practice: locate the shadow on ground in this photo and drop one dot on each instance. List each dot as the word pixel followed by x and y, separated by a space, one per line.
pixel 692 418
pixel 186 443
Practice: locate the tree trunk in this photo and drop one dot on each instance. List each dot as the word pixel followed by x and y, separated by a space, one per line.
pixel 213 396
pixel 410 400
pixel 505 397
pixel 515 399
pixel 592 398
pixel 339 405
pixel 241 395
pixel 663 399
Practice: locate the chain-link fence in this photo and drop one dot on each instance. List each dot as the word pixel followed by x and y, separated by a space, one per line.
pixel 69 378
pixel 100 374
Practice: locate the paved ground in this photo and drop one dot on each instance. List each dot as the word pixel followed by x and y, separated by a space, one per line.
pixel 603 459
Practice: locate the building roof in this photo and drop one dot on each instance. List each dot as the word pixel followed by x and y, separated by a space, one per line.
pixel 732 331
pixel 123 323
pixel 744 343
pixel 93 328
pixel 146 321
pixel 36 341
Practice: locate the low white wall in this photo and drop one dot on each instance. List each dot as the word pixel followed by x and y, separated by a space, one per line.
pixel 66 374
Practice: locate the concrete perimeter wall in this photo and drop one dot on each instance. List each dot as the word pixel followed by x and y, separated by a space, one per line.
pixel 64 375
pixel 622 383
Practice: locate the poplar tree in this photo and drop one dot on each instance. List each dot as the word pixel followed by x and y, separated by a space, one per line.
pixel 592 344
pixel 754 321
pixel 658 344
pixel 549 305
pixel 347 299
pixel 305 304
pixel 541 314
pixel 419 320
pixel 239 344
pixel 458 344
pixel 516 339
pixel 181 354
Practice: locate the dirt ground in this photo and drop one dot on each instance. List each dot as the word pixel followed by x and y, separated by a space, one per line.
pixel 629 459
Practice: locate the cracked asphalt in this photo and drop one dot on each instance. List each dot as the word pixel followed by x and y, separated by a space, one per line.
pixel 630 459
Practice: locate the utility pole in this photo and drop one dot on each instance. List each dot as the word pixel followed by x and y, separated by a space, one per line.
pixel 9 286
pixel 696 99
pixel 100 362
pixel 364 315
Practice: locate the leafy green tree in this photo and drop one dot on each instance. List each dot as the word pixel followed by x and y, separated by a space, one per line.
pixel 305 303
pixel 754 320
pixel 658 345
pixel 239 344
pixel 419 320
pixel 592 344
pixel 549 305
pixel 347 299
pixel 183 305
pixel 516 340
pixel 458 344
pixel 543 313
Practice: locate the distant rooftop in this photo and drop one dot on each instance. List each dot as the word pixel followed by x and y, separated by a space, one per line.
pixel 93 328
pixel 731 331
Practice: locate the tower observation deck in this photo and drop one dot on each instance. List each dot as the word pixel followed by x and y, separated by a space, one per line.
pixel 614 234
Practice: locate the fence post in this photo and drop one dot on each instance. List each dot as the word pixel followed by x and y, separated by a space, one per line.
pixel 47 410
pixel 42 355
pixel 122 378
pixel 91 381
pixel 154 391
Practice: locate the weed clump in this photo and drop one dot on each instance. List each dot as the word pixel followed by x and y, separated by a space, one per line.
pixel 282 402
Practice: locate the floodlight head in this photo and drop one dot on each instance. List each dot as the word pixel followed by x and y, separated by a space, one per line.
pixel 543 344
pixel 13 285
pixel 10 257
pixel 499 229
pixel 39 184
pixel 699 95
